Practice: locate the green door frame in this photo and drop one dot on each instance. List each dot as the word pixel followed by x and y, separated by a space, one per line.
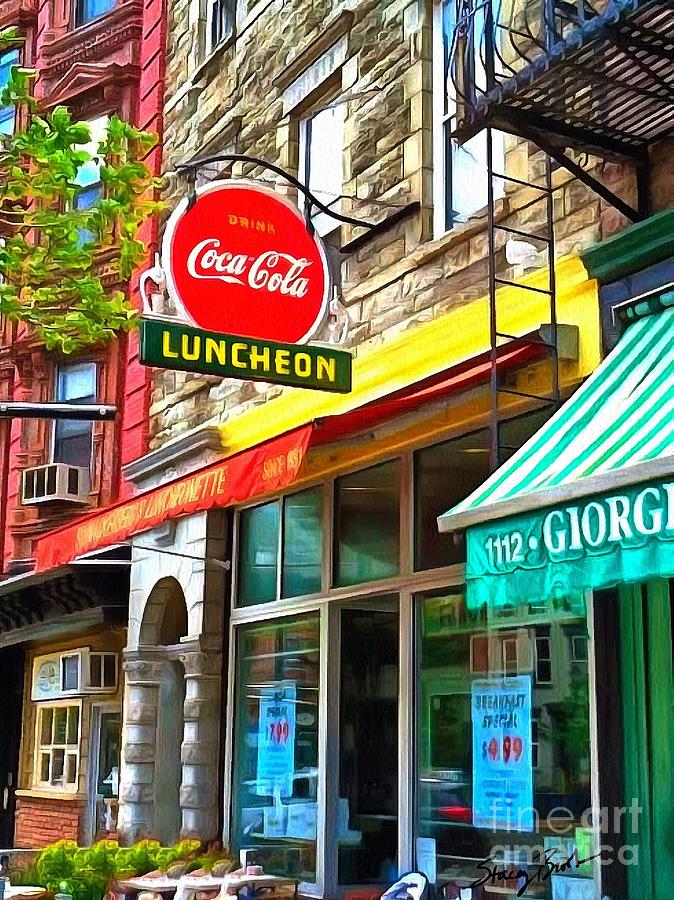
pixel 647 699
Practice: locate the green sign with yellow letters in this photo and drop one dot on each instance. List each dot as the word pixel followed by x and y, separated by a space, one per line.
pixel 175 346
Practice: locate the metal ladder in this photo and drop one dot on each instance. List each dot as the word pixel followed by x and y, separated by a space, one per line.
pixel 497 336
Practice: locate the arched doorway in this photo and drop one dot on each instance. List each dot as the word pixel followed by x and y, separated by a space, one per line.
pixel 164 624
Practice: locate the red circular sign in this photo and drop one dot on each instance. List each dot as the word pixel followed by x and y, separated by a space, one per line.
pixel 241 261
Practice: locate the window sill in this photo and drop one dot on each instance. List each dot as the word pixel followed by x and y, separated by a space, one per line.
pixel 46 794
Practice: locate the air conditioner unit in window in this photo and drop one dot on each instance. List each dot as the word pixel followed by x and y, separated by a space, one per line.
pixel 55 482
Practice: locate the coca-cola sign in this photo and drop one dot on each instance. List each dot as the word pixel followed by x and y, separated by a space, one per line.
pixel 241 261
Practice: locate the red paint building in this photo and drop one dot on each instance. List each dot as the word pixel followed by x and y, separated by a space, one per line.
pixel 61 637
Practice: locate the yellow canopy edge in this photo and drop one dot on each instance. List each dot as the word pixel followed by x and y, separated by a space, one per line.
pixel 424 350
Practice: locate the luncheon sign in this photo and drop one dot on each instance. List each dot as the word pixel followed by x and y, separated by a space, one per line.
pixel 559 552
pixel 251 287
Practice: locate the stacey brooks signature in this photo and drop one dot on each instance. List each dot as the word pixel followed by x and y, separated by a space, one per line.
pixel 536 874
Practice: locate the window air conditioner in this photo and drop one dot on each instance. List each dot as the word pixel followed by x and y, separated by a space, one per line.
pixel 55 482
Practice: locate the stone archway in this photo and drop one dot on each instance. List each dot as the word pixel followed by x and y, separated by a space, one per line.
pixel 164 620
pixel 169 777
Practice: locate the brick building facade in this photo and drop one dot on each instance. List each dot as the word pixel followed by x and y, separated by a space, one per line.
pixel 99 59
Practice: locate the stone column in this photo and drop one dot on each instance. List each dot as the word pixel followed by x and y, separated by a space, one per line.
pixel 139 738
pixel 199 792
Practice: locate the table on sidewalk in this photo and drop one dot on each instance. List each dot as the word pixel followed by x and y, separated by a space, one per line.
pixel 185 887
pixel 21 891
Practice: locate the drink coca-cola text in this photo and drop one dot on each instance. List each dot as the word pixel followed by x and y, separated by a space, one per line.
pixel 271 270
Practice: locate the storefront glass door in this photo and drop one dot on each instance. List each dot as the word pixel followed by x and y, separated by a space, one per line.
pixel 367 805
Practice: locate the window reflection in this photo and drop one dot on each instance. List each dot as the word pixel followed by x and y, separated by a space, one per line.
pixel 368 524
pixel 503 725
pixel 276 745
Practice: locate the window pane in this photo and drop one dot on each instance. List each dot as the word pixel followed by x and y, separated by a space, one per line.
pixel 276 745
pixel 367 507
pixel 444 475
pixel 7 59
pixel 503 761
pixel 447 473
pixel 108 754
pixel 91 9
pixel 73 440
pixel 76 383
pixel 326 144
pixel 60 720
pixel 57 766
pixel 45 759
pixel 258 554
pixel 71 768
pixel 45 727
pixel 73 724
pixel 95 674
pixel 109 670
pixel 89 197
pixel 70 673
pixel 302 543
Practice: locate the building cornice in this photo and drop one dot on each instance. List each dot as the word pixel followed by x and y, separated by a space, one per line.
pixel 639 246
pixel 189 451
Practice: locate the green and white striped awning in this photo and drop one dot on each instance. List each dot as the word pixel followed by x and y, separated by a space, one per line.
pixel 616 430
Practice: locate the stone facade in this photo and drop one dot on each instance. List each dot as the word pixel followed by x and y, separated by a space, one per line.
pixel 377 57
pixel 185 577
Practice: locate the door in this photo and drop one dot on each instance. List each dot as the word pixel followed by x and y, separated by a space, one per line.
pixel 646 620
pixel 367 805
pixel 106 739
pixel 11 705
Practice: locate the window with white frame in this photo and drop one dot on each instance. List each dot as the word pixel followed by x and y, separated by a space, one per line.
pixel 102 670
pixel 321 147
pixel 70 672
pixel 73 439
pixel 460 170
pixel 220 19
pixel 58 746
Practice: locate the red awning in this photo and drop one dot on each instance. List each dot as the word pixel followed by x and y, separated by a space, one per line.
pixel 438 387
pixel 261 470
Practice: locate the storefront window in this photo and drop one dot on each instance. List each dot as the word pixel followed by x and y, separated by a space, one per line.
pixel 444 475
pixel 503 740
pixel 302 543
pixel 367 506
pixel 296 523
pixel 276 745
pixel 258 554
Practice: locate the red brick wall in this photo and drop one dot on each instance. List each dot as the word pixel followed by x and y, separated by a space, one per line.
pixel 40 822
pixel 135 421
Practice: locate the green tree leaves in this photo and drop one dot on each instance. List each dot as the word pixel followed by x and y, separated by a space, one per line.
pixel 64 263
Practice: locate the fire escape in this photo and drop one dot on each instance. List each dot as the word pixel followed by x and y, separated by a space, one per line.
pixel 574 78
